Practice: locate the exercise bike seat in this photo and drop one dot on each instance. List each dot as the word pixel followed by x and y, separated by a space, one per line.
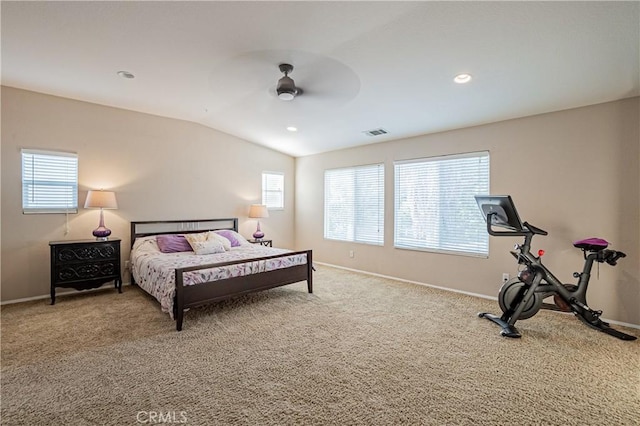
pixel 591 244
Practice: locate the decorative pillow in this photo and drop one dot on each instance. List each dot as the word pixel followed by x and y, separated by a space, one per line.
pixel 208 247
pixel 216 237
pixel 234 238
pixel 194 238
pixel 173 243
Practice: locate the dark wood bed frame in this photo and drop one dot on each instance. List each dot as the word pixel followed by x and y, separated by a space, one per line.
pixel 201 294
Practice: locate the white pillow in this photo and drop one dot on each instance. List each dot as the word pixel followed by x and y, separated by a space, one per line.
pixel 207 247
pixel 145 244
pixel 215 237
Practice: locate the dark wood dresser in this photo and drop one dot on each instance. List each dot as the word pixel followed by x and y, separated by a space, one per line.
pixel 84 264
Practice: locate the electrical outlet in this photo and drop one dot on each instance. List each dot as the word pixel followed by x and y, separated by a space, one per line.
pixel 126 265
pixel 505 277
pixel 351 253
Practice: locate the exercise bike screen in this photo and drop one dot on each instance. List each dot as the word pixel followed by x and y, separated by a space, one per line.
pixel 504 211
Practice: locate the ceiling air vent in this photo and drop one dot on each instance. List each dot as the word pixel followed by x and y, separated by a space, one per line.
pixel 376 132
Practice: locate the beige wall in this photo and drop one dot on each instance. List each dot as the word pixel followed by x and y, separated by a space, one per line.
pixel 574 173
pixel 161 169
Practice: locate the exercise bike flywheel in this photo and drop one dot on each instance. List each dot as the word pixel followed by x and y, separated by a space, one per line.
pixel 510 294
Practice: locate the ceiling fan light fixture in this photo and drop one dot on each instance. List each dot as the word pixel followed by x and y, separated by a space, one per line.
pixel 286 88
pixel 286 96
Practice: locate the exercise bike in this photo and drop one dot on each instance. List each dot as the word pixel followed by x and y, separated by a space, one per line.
pixel 522 297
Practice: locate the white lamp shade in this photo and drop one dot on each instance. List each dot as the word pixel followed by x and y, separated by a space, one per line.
pixel 101 200
pixel 258 211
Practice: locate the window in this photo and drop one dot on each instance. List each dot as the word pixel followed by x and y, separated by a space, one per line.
pixel 49 182
pixel 354 204
pixel 434 205
pixel 273 190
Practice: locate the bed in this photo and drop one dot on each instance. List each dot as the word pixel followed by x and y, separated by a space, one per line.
pixel 181 280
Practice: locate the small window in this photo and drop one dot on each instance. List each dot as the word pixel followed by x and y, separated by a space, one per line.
pixel 273 190
pixel 354 204
pixel 49 182
pixel 434 205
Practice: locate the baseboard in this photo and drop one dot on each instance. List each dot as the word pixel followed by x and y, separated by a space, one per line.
pixel 453 290
pixel 48 296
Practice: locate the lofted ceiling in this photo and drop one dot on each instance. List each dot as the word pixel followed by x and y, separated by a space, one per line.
pixel 361 65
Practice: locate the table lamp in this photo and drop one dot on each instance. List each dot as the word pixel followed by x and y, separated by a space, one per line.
pixel 101 200
pixel 258 211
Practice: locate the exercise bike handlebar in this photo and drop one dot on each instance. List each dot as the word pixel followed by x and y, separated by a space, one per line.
pixel 610 256
pixel 527 229
pixel 535 230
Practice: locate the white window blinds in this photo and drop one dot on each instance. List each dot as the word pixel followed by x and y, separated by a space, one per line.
pixel 273 190
pixel 49 182
pixel 354 204
pixel 434 205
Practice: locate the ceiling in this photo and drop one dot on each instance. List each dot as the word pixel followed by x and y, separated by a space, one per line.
pixel 361 65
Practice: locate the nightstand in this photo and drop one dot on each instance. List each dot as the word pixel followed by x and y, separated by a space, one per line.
pixel 263 242
pixel 84 264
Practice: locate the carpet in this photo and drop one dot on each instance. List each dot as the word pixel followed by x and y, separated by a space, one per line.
pixel 361 350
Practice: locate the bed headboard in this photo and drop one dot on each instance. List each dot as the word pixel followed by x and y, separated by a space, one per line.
pixel 159 227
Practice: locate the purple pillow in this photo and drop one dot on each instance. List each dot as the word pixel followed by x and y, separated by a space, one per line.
pixel 173 243
pixel 231 236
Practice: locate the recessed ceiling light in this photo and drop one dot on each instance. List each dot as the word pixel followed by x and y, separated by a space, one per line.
pixel 462 78
pixel 292 129
pixel 126 74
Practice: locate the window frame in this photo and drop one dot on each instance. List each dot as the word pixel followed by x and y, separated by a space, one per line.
pixel 356 232
pixel 480 248
pixel 68 164
pixel 265 177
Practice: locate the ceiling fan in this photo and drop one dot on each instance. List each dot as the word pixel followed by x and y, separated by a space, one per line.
pixel 242 81
pixel 286 88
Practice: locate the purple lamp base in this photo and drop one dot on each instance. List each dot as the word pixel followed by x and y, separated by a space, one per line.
pixel 101 233
pixel 258 235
